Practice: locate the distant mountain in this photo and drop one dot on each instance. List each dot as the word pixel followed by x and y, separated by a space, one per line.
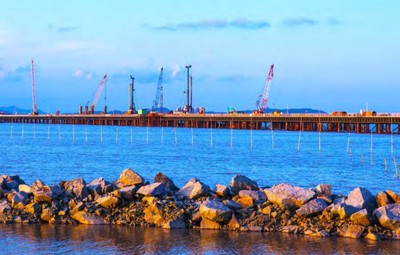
pixel 16 110
pixel 291 111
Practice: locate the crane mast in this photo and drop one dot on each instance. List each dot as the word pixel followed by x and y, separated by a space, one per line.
pixel 158 102
pixel 34 107
pixel 98 92
pixel 262 101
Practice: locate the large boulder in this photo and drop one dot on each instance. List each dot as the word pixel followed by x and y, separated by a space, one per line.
pixel 394 196
pixel 169 184
pixel 241 182
pixel 324 189
pixel 155 189
pixel 25 188
pixel 352 231
pixel 19 198
pixel 153 214
pixel 312 208
pixel 361 218
pixel 193 189
pixel 10 182
pixel 129 177
pixel 33 208
pixel 361 198
pixel 222 190
pixel 215 211
pixel 42 192
pixel 4 206
pixel 382 199
pixel 209 224
pixel 107 201
pixel 77 187
pixel 88 218
pixel 174 224
pixel 256 195
pixel 346 211
pixel 288 195
pixel 98 186
pixel 389 216
pixel 128 192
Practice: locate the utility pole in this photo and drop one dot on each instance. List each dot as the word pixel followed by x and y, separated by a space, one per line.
pixel 188 91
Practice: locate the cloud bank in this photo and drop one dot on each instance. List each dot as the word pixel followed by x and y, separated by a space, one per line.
pixel 215 24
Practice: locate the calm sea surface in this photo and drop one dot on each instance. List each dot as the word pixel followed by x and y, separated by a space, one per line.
pixel 53 153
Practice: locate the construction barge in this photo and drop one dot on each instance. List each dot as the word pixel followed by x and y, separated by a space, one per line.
pixel 291 122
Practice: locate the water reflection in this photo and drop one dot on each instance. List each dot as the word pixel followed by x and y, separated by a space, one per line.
pixel 81 239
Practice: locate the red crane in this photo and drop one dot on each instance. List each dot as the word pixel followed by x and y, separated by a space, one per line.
pixel 263 98
pixel 97 95
pixel 34 107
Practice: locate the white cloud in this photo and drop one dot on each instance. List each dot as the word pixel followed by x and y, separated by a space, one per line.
pixel 71 46
pixel 77 73
pixel 82 74
pixel 175 69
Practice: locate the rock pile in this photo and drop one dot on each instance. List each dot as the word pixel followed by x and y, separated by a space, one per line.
pixel 241 206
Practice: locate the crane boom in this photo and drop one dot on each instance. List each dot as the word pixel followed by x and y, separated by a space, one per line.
pixel 34 107
pixel 158 102
pixel 263 98
pixel 98 92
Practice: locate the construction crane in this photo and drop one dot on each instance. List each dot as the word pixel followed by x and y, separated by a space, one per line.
pixel 34 107
pixel 97 96
pixel 158 102
pixel 262 101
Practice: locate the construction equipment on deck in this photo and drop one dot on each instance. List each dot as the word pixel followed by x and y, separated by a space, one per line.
pixel 262 101
pixel 34 107
pixel 96 97
pixel 158 103
pixel 132 107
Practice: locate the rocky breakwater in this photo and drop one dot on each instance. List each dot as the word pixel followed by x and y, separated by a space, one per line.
pixel 241 206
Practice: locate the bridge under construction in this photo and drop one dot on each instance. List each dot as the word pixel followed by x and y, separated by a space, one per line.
pixel 316 123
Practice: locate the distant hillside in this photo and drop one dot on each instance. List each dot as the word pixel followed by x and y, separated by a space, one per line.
pixel 291 111
pixel 16 110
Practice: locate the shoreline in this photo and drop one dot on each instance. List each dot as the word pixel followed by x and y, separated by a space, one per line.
pixel 240 206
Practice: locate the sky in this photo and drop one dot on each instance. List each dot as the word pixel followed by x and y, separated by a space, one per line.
pixel 329 55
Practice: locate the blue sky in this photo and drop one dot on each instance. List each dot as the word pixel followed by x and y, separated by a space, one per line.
pixel 332 55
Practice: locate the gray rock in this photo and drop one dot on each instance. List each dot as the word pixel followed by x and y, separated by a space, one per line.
pixel 324 189
pixel 346 211
pixel 215 211
pixel 232 204
pixel 2 182
pixel 222 190
pixel 352 231
pixel 12 185
pixel 107 201
pixel 361 198
pixel 361 218
pixel 87 218
pixel 394 196
pixel 169 184
pixel 128 192
pixel 288 195
pixel 194 189
pixel 97 186
pixel 389 216
pixel 129 177
pixel 42 192
pixel 25 188
pixel 19 197
pixel 241 182
pixel 382 199
pixel 256 195
pixel 174 224
pixel 155 189
pixel 312 208
pixel 77 187
pixel 4 206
